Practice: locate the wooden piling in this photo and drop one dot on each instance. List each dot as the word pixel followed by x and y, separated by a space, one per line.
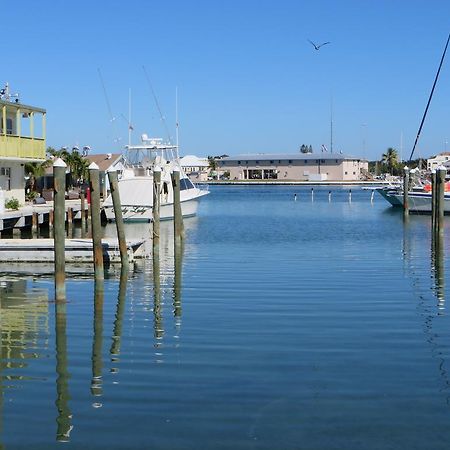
pixel 433 200
pixel 34 223
pixel 405 191
pixel 94 186
pixel 177 214
pixel 440 196
pixel 59 176
pixel 114 187
pixel 156 207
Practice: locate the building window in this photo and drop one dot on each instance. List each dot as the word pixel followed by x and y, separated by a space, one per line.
pixel 239 162
pixel 271 162
pixel 306 161
pixel 354 173
pixel 257 162
pixel 345 173
pixel 290 161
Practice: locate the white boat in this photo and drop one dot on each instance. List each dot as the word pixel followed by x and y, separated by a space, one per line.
pixel 136 183
pixel 418 201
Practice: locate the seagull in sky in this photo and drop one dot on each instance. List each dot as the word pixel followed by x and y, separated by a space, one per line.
pixel 317 46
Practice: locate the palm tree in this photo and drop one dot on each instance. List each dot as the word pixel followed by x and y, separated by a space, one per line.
pixel 35 170
pixel 390 158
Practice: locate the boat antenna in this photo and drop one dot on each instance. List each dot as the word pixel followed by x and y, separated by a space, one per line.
pixel 176 119
pixel 163 120
pixel 429 98
pixel 108 105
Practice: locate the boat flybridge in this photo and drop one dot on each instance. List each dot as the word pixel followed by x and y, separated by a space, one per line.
pixel 136 182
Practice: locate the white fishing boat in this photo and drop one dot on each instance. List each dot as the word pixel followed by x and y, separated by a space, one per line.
pixel 136 183
pixel 419 195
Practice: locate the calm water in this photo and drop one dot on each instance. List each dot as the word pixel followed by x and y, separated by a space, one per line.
pixel 283 325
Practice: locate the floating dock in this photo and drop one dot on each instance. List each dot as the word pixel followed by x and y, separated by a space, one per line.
pixel 76 250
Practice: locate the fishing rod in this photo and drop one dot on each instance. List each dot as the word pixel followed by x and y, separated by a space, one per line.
pixel 429 99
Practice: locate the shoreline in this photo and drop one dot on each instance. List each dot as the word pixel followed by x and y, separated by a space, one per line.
pixel 292 183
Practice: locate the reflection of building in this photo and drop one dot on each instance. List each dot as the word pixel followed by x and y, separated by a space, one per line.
pixel 195 168
pixel 24 318
pixel 298 167
pixel 22 140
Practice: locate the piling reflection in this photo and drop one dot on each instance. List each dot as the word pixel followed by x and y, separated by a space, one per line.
pixel 118 321
pixel 429 312
pixel 157 308
pixel 63 420
pixel 437 267
pixel 97 344
pixel 178 266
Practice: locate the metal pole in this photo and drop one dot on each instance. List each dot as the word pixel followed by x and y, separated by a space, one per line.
pixel 177 214
pixel 83 208
pixel 59 176
pixel 405 191
pixel 114 187
pixel 94 185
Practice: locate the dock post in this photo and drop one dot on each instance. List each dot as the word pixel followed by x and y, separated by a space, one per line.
pixel 34 223
pixel 405 191
pixel 114 187
pixel 433 200
pixel 177 214
pixel 94 186
pixel 59 176
pixel 440 196
pixel 156 207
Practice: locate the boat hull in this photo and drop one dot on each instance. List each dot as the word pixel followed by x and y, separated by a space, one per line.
pixel 418 202
pixel 144 213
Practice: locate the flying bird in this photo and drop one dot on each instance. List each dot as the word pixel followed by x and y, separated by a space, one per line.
pixel 317 46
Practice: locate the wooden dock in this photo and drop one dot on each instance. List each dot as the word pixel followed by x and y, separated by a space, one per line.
pixel 76 250
pixel 41 213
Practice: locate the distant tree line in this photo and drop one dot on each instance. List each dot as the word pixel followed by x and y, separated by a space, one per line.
pixel 391 164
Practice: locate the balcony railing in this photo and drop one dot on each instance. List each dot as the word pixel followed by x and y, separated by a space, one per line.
pixel 21 147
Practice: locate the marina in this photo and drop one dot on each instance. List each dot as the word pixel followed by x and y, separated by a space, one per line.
pixel 277 324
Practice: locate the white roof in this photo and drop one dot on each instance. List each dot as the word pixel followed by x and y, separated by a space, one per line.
pixel 193 161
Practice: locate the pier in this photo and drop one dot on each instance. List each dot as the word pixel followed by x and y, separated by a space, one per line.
pixel 36 215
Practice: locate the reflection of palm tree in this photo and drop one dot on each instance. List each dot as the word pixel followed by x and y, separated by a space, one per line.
pixel 390 158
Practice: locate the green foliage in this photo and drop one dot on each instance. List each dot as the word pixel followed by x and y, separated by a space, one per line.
pixel 212 163
pixel 12 203
pixel 78 165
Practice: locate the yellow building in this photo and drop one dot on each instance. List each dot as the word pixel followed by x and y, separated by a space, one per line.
pixel 22 140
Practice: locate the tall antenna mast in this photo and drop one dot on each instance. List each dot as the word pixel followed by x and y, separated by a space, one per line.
pixel 129 117
pixel 176 116
pixel 331 124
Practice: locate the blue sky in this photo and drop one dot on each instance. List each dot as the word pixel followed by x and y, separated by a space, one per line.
pixel 248 80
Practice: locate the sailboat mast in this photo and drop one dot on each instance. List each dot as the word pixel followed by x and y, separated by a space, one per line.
pixel 331 124
pixel 429 98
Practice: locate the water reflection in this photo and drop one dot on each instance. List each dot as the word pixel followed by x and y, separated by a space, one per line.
pixel 97 343
pixel 437 267
pixel 428 312
pixel 23 320
pixel 63 419
pixel 120 310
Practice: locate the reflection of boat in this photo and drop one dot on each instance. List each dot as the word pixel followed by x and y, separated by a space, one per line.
pixel 136 183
